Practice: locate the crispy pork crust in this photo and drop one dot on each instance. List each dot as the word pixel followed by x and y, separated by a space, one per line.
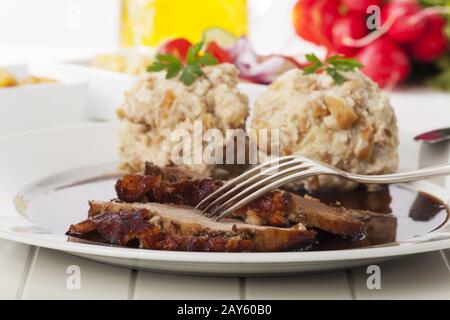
pixel 275 208
pixel 171 173
pixel 167 227
pixel 140 188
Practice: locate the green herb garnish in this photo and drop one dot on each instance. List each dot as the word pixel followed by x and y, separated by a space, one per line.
pixel 190 70
pixel 332 66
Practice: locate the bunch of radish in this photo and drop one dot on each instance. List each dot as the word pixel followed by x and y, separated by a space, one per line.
pixel 405 32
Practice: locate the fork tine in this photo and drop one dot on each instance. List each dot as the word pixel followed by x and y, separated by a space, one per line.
pixel 303 174
pixel 254 187
pixel 247 174
pixel 244 188
pixel 250 180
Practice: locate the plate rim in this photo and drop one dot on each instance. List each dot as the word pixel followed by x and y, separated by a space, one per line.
pixel 250 258
pixel 60 242
pixel 227 257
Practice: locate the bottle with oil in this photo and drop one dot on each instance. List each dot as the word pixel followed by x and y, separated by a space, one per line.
pixel 150 22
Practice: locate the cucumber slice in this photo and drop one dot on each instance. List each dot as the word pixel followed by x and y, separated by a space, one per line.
pixel 222 37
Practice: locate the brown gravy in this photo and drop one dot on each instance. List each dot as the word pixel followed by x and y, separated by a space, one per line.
pixel 408 213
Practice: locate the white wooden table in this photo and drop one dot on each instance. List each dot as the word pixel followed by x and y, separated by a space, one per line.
pixel 28 272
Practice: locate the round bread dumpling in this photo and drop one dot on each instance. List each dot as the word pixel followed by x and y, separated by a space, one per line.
pixel 157 111
pixel 351 126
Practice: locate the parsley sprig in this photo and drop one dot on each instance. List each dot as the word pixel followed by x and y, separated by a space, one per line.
pixel 332 66
pixel 190 70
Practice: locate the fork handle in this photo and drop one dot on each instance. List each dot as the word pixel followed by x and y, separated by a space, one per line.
pixel 434 171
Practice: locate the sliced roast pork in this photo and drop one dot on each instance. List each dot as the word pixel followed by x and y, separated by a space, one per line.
pixel 173 227
pixel 275 208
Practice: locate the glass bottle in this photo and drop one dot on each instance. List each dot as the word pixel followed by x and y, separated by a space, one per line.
pixel 150 22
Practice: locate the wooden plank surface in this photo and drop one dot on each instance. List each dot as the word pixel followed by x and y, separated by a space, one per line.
pixel 151 286
pixel 421 276
pixel 14 263
pixel 326 285
pixel 52 275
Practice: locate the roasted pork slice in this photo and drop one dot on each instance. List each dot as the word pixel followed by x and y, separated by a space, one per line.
pixel 336 220
pixel 143 188
pixel 173 227
pixel 275 208
pixel 171 173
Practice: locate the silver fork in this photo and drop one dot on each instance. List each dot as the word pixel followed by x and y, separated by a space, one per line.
pixel 280 171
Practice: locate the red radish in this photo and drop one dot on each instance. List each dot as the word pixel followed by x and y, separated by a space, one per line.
pixel 301 19
pixel 177 47
pixel 432 43
pixel 435 21
pixel 348 28
pixel 384 62
pixel 324 14
pixel 218 52
pixel 347 52
pixel 406 27
pixel 360 6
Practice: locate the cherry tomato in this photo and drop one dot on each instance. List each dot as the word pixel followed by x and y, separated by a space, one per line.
pixel 301 19
pixel 177 47
pixel 324 14
pixel 218 52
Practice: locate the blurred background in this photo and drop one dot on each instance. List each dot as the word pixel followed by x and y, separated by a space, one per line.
pixel 75 27
pixel 398 41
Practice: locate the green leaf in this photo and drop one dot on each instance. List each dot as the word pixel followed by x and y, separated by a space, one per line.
pixel 332 66
pixel 316 63
pixel 157 66
pixel 311 57
pixel 190 71
pixel 310 69
pixel 165 62
pixel 208 60
pixel 193 52
pixel 187 76
pixel 447 29
pixel 338 78
pixel 344 64
pixel 195 69
pixel 168 58
pixel 173 71
pixel 440 3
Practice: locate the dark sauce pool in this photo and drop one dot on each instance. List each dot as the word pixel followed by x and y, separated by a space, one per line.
pixel 407 213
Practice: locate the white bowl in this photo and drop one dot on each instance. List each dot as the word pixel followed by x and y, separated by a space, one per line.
pixel 106 88
pixel 41 105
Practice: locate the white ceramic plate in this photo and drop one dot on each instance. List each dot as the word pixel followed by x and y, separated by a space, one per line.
pixel 36 163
